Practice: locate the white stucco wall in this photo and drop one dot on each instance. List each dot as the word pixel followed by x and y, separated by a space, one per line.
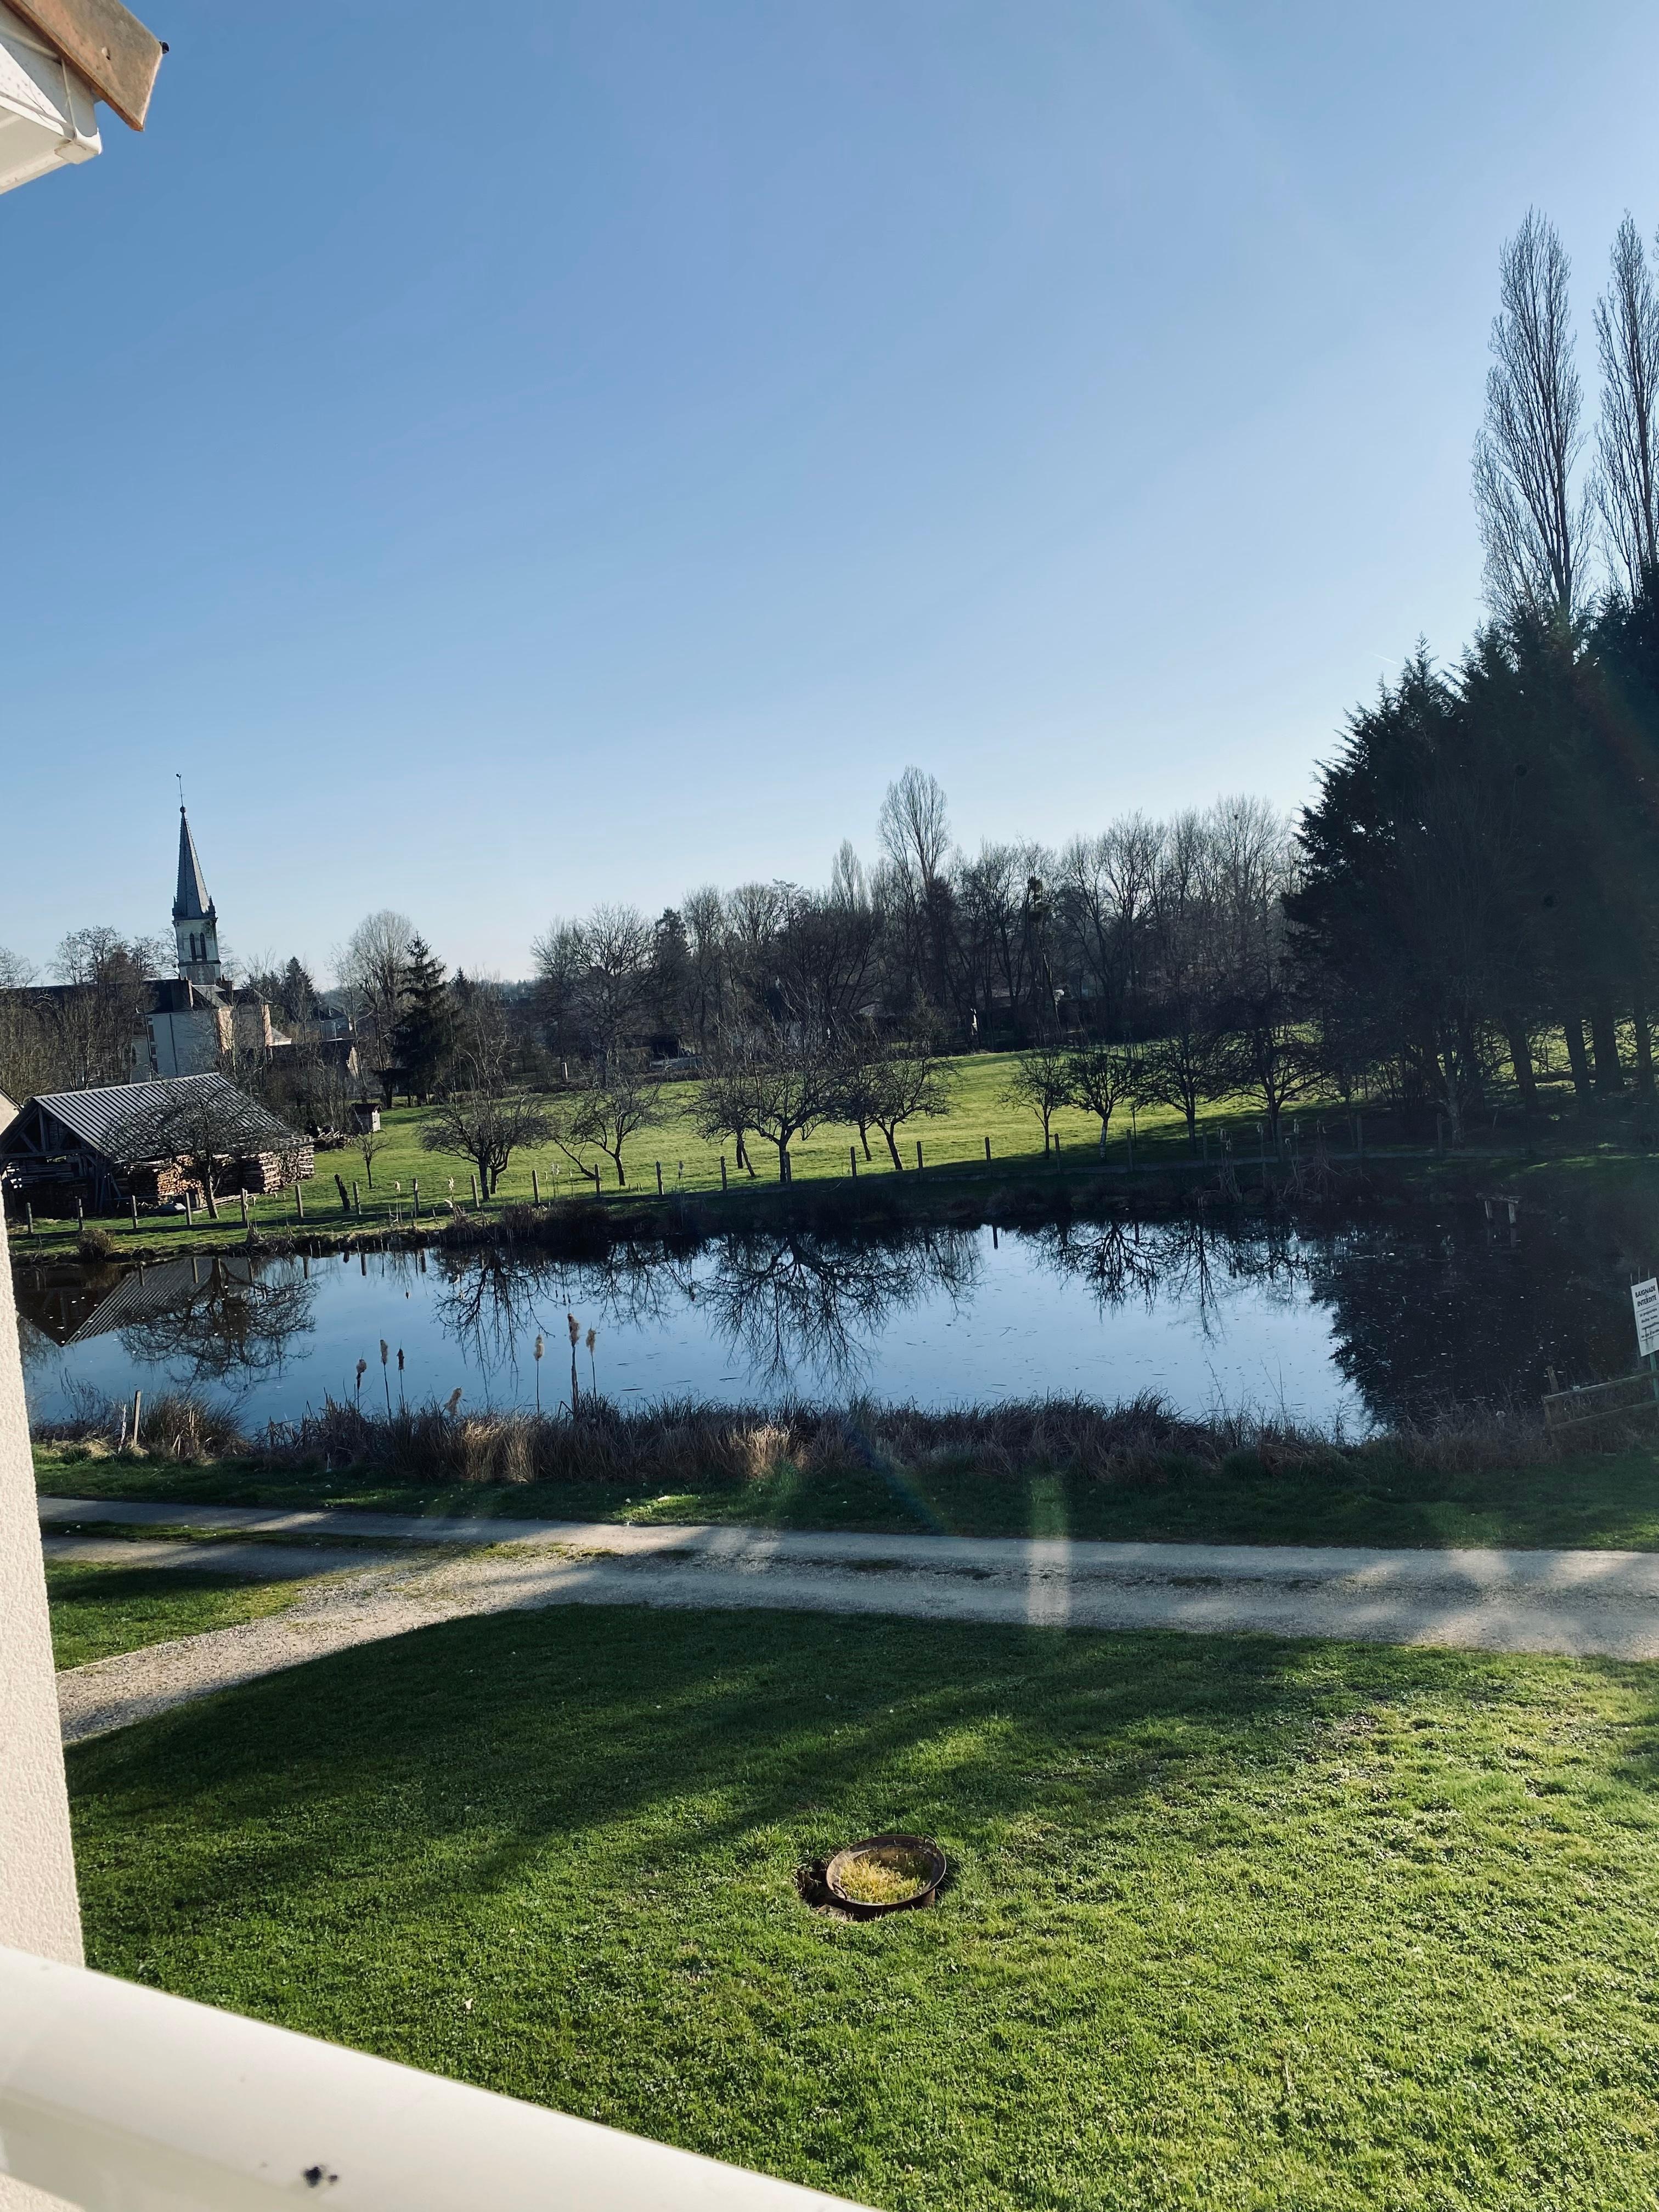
pixel 38 1910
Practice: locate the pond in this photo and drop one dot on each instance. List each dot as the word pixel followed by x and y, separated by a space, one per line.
pixel 1359 1322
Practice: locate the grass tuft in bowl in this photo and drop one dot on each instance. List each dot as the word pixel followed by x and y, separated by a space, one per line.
pixel 885 1874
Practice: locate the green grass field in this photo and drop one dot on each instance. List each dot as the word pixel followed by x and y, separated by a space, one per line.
pixel 97 1611
pixel 690 1162
pixel 1231 1923
pixel 1608 1500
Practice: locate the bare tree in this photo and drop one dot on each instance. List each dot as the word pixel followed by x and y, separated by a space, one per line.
pixel 371 1142
pixel 1042 1081
pixel 488 1116
pixel 779 1085
pixel 486 1125
pixel 1101 1077
pixel 703 911
pixel 1533 521
pixel 915 828
pixel 619 944
pixel 915 836
pixel 882 1086
pixel 372 966
pixel 595 977
pixel 823 961
pixel 28 1063
pixel 96 1020
pixel 619 1103
pixel 1627 447
pixel 1187 948
pixel 1105 887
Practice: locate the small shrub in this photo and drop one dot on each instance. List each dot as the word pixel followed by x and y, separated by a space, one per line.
pixel 95 1244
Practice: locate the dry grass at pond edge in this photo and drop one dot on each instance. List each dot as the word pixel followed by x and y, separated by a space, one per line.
pixel 1138 1472
pixel 691 1444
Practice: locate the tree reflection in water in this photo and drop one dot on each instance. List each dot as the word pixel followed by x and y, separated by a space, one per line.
pixel 1428 1313
pixel 786 1303
pixel 493 1303
pixel 1189 1261
pixel 781 1302
pixel 1424 1307
pixel 239 1321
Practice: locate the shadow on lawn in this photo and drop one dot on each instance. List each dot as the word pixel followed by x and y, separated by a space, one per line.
pixel 446 1765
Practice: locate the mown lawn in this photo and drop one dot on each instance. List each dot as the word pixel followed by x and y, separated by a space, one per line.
pixel 1231 1922
pixel 1607 1500
pixel 100 1611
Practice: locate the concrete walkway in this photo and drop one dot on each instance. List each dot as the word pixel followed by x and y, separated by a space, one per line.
pixel 1590 1603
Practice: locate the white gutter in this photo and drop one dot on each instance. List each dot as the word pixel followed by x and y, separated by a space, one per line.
pixel 47 117
pixel 120 2099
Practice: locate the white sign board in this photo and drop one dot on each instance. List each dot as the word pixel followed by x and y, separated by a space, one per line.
pixel 1644 1296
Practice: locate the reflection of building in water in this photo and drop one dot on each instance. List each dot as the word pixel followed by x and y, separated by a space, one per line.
pixel 68 1307
pixel 209 1320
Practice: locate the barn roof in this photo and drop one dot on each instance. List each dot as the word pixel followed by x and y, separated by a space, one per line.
pixel 124 1121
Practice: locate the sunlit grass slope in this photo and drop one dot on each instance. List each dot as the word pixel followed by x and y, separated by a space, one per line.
pixel 1231 1922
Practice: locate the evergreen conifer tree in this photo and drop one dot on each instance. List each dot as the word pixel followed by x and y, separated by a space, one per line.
pixel 424 1038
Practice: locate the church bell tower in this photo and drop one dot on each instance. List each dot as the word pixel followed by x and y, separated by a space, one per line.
pixel 195 920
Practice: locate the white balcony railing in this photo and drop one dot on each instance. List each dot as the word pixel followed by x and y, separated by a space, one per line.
pixel 119 2098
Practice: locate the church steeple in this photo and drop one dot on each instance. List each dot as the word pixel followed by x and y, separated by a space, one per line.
pixel 195 920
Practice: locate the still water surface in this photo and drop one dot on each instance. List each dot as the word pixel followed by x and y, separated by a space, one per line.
pixel 1359 1323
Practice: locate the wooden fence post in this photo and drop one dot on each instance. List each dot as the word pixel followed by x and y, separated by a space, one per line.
pixel 918 1155
pixel 852 1160
pixel 535 1187
pixel 473 1180
pixel 133 1202
pixel 987 1152
pixel 659 1178
pixel 242 1195
pixel 190 1213
pixel 80 1214
pixel 415 1185
pixel 722 1171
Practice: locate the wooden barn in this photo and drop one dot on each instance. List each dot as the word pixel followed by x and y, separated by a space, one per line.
pixel 152 1141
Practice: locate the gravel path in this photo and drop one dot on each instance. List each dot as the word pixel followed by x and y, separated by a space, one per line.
pixel 1603 1603
pixel 262 1562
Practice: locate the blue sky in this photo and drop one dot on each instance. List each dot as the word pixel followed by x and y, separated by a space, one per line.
pixel 513 456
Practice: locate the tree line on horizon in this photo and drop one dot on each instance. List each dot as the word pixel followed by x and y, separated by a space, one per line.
pixel 1470 889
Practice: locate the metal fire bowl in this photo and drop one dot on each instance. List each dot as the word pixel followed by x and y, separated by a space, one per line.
pixel 923 1847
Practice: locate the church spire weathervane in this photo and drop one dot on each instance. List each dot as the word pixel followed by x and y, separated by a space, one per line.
pixel 195 920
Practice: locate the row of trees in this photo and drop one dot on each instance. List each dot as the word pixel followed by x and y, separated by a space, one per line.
pixel 78 1031
pixel 1124 934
